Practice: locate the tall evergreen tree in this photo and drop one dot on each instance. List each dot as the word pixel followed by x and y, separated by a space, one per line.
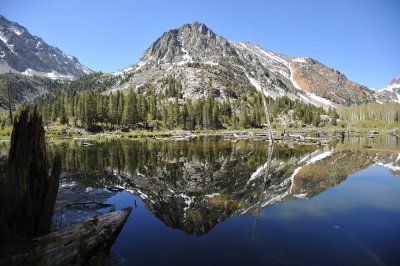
pixel 8 96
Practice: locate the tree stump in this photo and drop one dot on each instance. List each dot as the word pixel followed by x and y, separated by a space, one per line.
pixel 31 191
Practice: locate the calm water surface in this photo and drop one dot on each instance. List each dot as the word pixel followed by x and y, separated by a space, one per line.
pixel 224 202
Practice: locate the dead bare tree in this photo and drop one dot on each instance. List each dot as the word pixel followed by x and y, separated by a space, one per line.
pixel 266 108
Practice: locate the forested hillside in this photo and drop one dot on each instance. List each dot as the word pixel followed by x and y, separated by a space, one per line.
pixel 146 109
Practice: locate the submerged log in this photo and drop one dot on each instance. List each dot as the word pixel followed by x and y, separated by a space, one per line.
pixel 31 191
pixel 72 245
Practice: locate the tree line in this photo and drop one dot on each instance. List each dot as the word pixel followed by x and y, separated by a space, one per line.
pixel 387 112
pixel 167 110
pixel 89 107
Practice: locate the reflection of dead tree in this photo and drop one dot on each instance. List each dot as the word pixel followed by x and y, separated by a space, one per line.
pixel 270 152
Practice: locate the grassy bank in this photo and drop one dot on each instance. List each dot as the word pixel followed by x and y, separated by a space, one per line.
pixel 58 131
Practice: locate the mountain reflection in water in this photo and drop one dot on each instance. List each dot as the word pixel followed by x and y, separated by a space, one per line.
pixel 223 202
pixel 192 186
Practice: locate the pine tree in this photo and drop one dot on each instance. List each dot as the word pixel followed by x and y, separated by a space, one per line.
pixel 144 110
pixel 90 109
pixel 191 115
pixel 165 114
pixel 316 119
pixel 216 116
pixel 131 110
pixel 153 107
pixel 199 113
pixel 185 117
pixel 112 113
pixel 120 107
pixel 244 120
pixel 63 115
pixel 176 112
pixel 7 95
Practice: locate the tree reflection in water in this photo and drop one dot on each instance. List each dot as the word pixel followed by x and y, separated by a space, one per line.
pixel 192 186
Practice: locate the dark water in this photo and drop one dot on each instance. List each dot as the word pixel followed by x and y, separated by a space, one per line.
pixel 223 202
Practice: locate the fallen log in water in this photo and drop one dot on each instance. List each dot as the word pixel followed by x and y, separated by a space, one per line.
pixel 72 245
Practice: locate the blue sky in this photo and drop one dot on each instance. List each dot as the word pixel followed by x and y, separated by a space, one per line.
pixel 359 38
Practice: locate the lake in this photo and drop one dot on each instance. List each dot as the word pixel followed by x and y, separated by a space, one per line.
pixel 211 201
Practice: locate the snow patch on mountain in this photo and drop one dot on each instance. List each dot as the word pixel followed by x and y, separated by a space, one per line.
pixel 300 60
pixel 309 97
pixel 17 31
pixel 257 85
pixel 186 56
pixel 390 93
pixel 3 38
pixel 389 88
pixel 261 52
pixel 51 75
pixel 140 65
pixel 273 56
pixel 211 63
pixel 268 59
pixel 319 99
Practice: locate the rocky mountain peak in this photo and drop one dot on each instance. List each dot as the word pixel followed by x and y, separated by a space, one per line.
pixel 207 62
pixel 391 93
pixel 21 52
pixel 190 43
pixel 197 28
pixel 11 28
pixel 395 81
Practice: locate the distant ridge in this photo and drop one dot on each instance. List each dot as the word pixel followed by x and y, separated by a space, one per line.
pixel 20 52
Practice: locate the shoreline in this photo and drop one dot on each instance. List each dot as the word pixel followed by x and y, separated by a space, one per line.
pixel 302 135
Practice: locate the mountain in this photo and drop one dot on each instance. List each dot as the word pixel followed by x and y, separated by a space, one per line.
pixel 391 92
pixel 21 52
pixel 206 62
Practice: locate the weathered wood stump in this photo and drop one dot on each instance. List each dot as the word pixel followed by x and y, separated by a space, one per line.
pixel 72 245
pixel 31 191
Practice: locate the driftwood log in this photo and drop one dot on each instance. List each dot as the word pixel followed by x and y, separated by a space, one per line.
pixel 31 191
pixel 73 245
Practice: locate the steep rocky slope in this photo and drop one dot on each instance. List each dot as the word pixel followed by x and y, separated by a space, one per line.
pixel 205 61
pixel 21 52
pixel 328 83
